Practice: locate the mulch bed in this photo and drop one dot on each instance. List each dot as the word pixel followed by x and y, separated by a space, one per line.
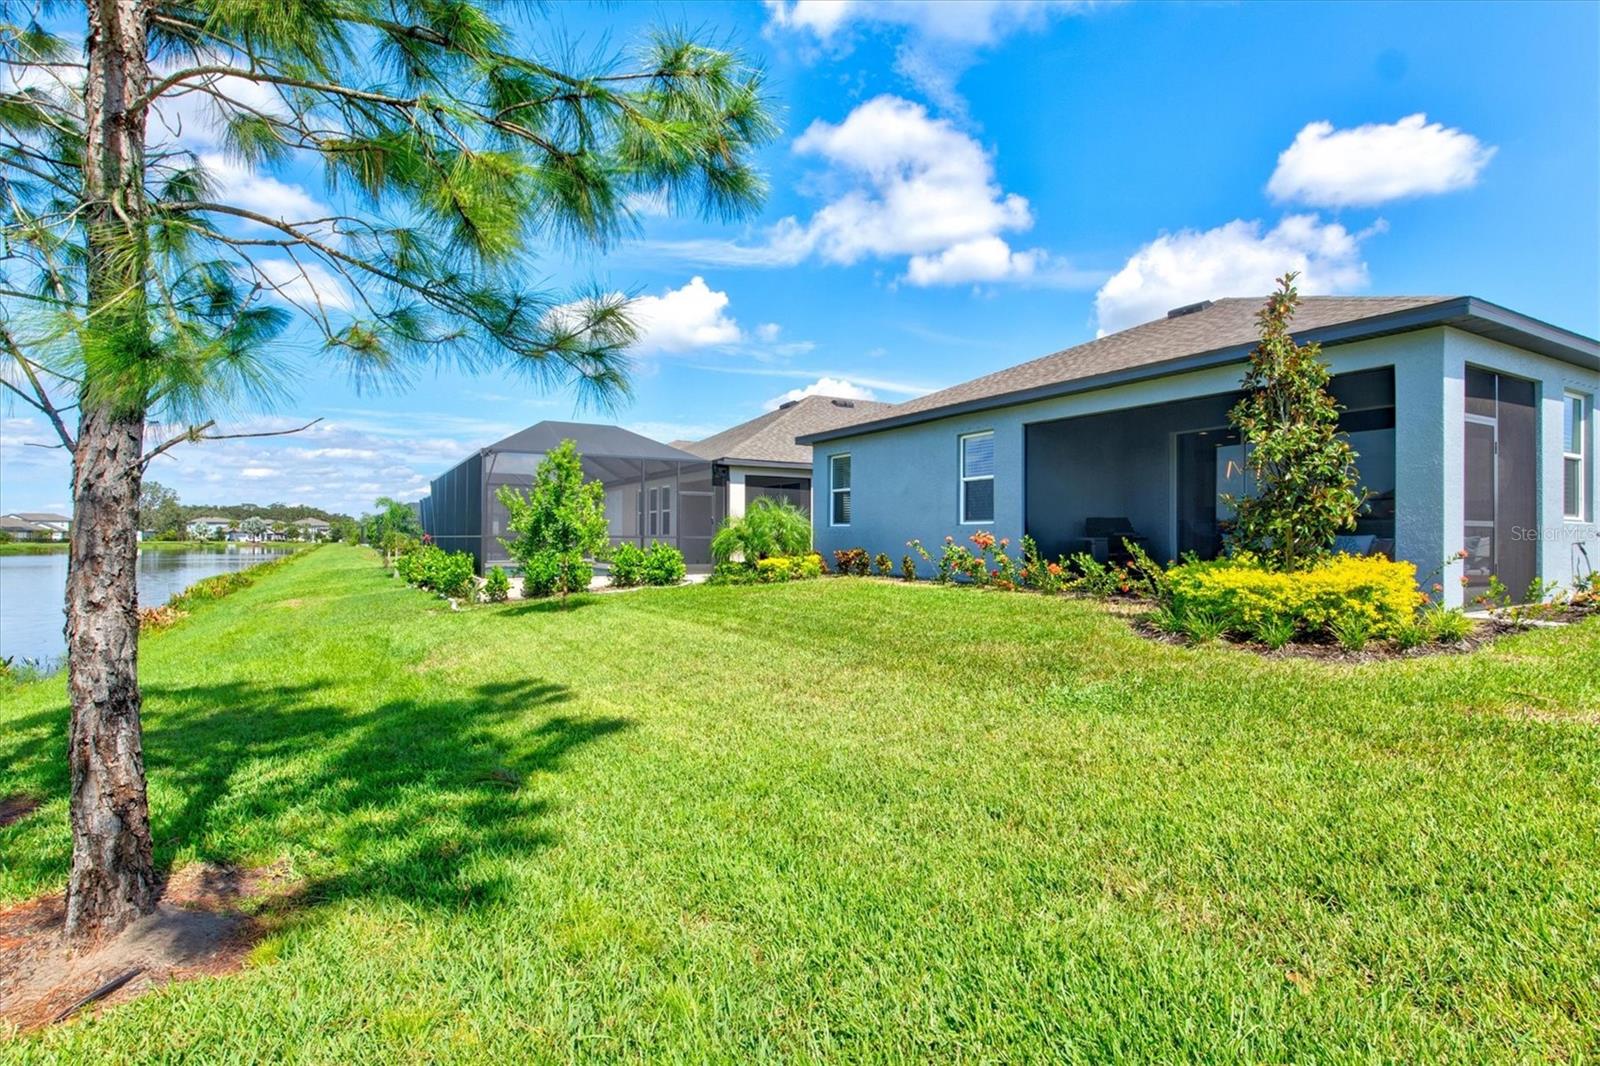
pixel 1486 631
pixel 198 930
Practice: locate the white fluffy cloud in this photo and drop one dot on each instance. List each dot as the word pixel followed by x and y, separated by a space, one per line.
pixel 1377 163
pixel 902 184
pixel 261 193
pixel 920 185
pixel 983 259
pixel 939 38
pixel 1236 259
pixel 824 386
pixel 978 22
pixel 306 285
pixel 684 319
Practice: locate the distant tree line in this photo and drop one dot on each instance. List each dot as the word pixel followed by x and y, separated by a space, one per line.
pixel 161 513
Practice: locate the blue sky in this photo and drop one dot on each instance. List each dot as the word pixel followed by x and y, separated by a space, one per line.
pixel 960 187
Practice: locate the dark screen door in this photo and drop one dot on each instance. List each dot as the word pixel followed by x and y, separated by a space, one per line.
pixel 1501 465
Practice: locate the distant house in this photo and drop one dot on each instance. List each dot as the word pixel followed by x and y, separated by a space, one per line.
pixel 311 528
pixel 760 457
pixel 21 529
pixel 677 494
pixel 36 525
pixel 1474 426
pixel 208 526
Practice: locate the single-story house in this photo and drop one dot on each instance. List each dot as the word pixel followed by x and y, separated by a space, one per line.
pixel 678 493
pixel 761 457
pixel 1474 425
pixel 37 525
pixel 207 526
pixel 653 491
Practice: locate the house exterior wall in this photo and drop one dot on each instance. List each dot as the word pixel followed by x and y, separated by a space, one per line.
pixel 905 481
pixel 736 497
pixel 1566 548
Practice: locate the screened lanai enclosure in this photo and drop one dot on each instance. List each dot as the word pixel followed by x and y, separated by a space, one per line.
pixel 654 492
pixel 1159 475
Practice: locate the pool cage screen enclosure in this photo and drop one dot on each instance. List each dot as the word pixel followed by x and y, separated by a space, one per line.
pixel 654 492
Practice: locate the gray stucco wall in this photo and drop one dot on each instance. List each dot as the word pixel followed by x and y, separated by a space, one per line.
pixel 905 481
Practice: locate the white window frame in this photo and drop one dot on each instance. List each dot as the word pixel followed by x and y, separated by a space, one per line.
pixel 834 490
pixel 963 478
pixel 1585 446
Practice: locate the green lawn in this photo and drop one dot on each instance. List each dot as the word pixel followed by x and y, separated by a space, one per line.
pixel 847 819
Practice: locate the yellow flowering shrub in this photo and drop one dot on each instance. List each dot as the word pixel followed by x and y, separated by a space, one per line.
pixel 1244 593
pixel 789 567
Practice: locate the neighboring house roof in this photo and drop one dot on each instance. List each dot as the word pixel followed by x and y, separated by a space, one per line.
pixel 593 440
pixel 311 523
pixel 13 524
pixel 210 520
pixel 1218 332
pixel 39 516
pixel 771 437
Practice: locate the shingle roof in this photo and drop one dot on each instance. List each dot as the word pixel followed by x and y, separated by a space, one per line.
pixel 40 516
pixel 20 525
pixel 1222 331
pixel 592 440
pixel 1222 325
pixel 771 437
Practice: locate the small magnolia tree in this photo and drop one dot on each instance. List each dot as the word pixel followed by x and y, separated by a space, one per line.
pixel 1304 468
pixel 556 525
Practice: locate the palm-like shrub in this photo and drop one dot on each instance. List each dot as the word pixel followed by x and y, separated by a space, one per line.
pixel 769 527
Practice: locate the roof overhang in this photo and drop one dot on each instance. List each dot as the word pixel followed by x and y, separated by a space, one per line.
pixel 1466 313
pixel 781 464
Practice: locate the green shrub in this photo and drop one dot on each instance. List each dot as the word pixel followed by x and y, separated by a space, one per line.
pixel 1204 625
pixel 627 565
pixel 1447 625
pixel 1100 580
pixel 1244 593
pixel 733 574
pixel 663 565
pixel 1167 620
pixel 497 587
pixel 452 574
pixel 1353 630
pixel 1274 631
pixel 853 561
pixel 882 565
pixel 1411 635
pixel 545 573
pixel 767 527
pixel 1149 577
pixel 431 567
pixel 908 568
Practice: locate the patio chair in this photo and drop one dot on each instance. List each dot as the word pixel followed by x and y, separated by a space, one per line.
pixel 1102 538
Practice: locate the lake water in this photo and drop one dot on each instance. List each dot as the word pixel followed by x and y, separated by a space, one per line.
pixel 33 590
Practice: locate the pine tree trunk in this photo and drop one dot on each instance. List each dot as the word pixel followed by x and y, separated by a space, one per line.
pixel 113 879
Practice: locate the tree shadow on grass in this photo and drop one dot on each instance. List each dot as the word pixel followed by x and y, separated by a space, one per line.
pixel 430 801
pixel 552 604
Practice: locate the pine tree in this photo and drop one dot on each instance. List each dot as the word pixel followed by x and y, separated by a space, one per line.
pixel 149 291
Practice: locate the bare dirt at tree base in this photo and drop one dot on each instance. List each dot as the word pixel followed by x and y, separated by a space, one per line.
pixel 198 930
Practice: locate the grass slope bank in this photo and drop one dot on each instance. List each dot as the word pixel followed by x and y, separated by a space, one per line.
pixel 845 819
